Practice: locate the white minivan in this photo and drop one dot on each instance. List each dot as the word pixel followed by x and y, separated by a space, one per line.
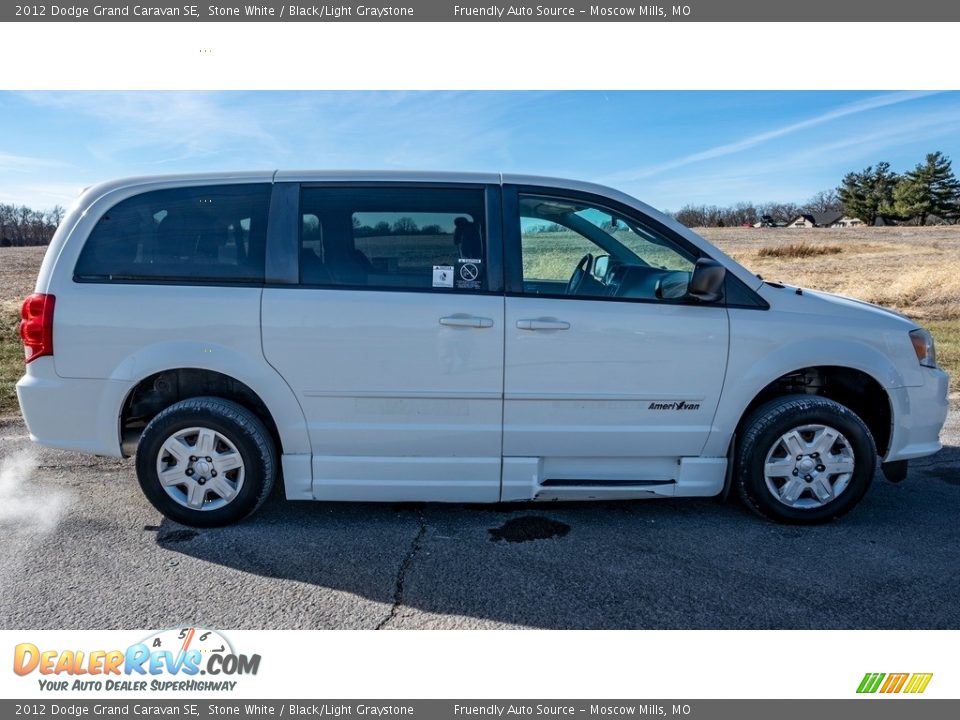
pixel 453 337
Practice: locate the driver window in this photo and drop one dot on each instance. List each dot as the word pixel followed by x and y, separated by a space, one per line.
pixel 550 250
pixel 574 249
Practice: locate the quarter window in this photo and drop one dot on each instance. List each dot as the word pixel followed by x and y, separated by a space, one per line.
pixel 192 234
pixel 424 239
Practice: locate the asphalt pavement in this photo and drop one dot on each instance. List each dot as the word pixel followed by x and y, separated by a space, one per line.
pixel 82 548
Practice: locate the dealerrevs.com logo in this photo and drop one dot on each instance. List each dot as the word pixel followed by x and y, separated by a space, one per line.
pixel 167 660
pixel 911 683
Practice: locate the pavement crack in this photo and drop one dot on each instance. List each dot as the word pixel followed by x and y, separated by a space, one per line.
pixel 398 588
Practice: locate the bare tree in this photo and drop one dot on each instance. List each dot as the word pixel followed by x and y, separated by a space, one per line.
pixel 20 225
pixel 824 201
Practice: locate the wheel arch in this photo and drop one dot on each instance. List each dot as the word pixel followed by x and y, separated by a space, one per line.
pixel 852 387
pixel 265 394
pixel 765 357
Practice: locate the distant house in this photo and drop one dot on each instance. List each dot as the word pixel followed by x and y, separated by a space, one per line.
pixel 832 218
pixel 847 221
pixel 766 221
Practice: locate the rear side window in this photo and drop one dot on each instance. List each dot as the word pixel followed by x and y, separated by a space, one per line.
pixel 405 238
pixel 192 234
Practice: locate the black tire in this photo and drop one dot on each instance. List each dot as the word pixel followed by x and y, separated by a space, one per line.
pixel 234 422
pixel 761 434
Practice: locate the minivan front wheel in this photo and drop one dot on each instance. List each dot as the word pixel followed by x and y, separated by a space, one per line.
pixel 804 459
pixel 206 462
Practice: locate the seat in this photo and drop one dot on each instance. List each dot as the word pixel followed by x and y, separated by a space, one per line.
pixel 467 238
pixel 187 236
pixel 313 271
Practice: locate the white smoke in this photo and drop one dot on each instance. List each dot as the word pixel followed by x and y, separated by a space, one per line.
pixel 25 507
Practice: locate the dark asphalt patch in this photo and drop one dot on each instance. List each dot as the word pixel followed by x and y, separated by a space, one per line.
pixel 527 528
pixel 172 537
pixel 949 475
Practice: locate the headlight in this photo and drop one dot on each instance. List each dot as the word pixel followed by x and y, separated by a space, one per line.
pixel 924 347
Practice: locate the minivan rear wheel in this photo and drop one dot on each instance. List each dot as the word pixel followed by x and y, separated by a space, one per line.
pixel 206 462
pixel 804 459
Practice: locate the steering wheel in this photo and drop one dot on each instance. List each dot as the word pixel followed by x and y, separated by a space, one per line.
pixel 582 269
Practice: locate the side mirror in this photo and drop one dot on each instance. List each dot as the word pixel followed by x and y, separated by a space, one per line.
pixel 600 266
pixel 706 281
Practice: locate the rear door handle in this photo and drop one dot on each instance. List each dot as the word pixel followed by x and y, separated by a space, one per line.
pixel 466 321
pixel 543 325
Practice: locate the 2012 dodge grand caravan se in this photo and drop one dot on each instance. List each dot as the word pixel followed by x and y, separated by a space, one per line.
pixel 453 337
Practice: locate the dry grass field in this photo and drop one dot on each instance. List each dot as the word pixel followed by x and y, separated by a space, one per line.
pixel 910 269
pixel 18 273
pixel 913 270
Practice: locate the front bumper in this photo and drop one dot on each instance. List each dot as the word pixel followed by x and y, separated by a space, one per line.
pixel 919 413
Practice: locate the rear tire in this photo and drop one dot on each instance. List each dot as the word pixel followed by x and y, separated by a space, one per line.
pixel 206 462
pixel 804 459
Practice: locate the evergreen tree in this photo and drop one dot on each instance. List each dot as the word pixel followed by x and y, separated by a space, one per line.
pixel 929 189
pixel 868 194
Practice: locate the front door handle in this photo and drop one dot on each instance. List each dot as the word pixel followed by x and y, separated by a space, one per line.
pixel 466 321
pixel 542 324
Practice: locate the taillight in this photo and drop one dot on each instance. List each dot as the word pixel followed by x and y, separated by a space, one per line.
pixel 36 327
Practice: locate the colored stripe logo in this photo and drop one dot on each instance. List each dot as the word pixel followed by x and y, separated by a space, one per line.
pixel 913 683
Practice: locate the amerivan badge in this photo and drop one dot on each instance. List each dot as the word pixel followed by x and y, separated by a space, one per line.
pixel 675 405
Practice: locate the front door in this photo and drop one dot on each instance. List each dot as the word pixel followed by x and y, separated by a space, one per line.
pixel 612 377
pixel 393 341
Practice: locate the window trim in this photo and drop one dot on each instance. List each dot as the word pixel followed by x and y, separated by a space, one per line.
pixel 492 219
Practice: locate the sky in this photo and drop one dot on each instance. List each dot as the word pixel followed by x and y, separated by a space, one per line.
pixel 669 149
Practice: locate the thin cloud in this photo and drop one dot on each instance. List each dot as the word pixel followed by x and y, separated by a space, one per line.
pixel 791 175
pixel 113 134
pixel 867 146
pixel 406 129
pixel 764 137
pixel 171 124
pixel 22 163
pixel 265 129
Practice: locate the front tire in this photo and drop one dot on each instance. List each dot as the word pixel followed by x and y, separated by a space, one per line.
pixel 206 462
pixel 804 459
